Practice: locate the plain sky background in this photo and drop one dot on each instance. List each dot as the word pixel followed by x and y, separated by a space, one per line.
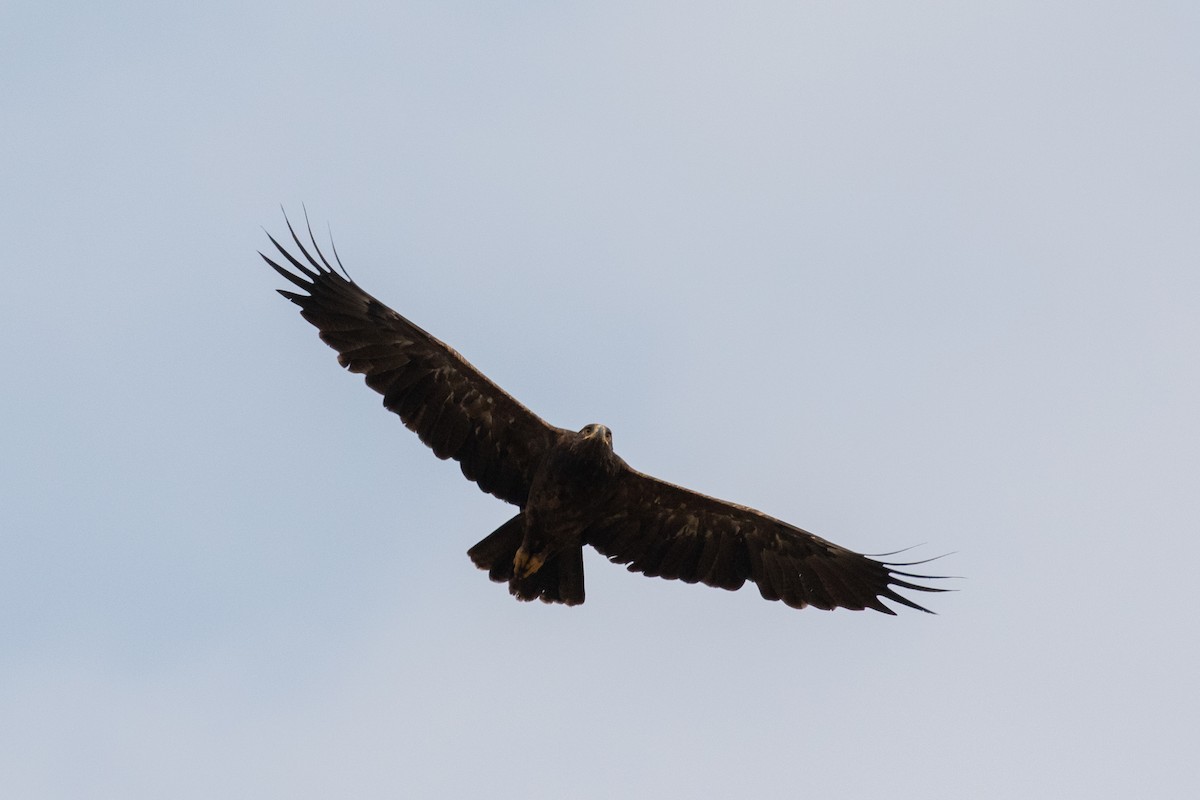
pixel 900 273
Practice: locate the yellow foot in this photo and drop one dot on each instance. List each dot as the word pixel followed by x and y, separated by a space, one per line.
pixel 525 564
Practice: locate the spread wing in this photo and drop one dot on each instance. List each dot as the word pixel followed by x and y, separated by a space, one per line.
pixel 666 531
pixel 451 405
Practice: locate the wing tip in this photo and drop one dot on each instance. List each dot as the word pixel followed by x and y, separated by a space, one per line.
pixel 312 266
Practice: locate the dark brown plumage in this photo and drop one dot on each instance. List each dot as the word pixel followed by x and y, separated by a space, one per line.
pixel 571 488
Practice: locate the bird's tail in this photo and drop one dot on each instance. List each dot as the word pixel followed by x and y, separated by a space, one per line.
pixel 558 580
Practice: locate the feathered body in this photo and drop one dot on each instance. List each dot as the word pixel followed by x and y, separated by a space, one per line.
pixel 540 551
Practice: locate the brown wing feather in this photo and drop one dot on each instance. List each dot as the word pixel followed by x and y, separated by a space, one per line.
pixel 664 530
pixel 450 404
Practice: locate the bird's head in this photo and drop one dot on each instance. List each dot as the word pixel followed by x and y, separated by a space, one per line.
pixel 597 432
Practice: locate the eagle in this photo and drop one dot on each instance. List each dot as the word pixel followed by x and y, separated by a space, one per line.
pixel 570 488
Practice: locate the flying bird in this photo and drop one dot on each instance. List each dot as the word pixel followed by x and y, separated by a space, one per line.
pixel 571 489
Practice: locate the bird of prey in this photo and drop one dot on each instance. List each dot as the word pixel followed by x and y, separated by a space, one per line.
pixel 569 487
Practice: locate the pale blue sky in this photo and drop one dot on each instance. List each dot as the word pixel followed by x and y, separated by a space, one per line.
pixel 902 274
